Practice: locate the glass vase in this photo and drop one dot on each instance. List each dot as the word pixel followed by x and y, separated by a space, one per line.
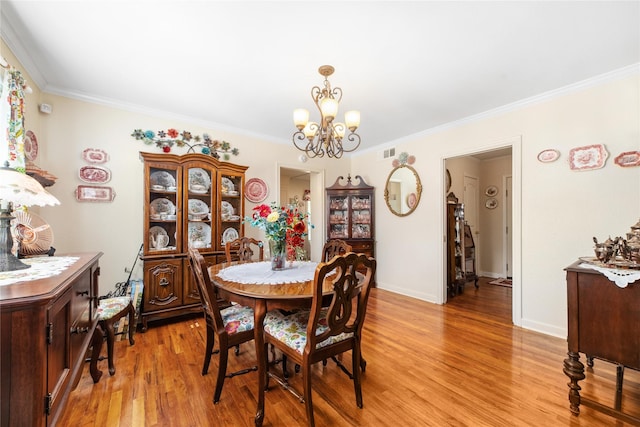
pixel 278 251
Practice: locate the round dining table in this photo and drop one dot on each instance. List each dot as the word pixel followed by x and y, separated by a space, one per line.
pixel 254 284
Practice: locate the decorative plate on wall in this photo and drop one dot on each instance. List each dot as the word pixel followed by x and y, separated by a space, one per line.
pixel 93 193
pixel 548 156
pixel 255 190
pixel 588 157
pixel 30 145
pixel 94 174
pixel 95 155
pixel 491 191
pixel 628 159
pixel 491 203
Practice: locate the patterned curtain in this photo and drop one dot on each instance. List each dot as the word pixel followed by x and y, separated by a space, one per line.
pixel 12 120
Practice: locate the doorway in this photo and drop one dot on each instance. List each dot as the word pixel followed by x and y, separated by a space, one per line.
pixel 304 188
pixel 472 173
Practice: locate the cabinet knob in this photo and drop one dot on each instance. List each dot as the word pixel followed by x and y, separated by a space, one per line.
pixel 78 330
pixel 82 293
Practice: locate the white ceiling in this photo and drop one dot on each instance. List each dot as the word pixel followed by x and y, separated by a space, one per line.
pixel 244 66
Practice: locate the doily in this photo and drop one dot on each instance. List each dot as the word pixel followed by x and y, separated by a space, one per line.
pixel 620 277
pixel 260 273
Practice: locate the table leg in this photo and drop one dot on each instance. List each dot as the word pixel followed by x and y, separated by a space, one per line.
pixel 259 312
pixel 574 369
pixel 96 342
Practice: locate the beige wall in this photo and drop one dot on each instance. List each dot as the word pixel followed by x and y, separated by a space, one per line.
pixel 556 210
pixel 491 234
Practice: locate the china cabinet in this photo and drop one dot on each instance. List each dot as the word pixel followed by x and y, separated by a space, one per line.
pixel 192 200
pixel 470 256
pixel 456 265
pixel 350 214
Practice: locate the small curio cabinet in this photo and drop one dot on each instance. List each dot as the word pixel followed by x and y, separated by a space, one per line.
pixel 192 200
pixel 350 214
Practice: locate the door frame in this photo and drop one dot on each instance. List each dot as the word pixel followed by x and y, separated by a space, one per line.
pixel 317 184
pixel 515 143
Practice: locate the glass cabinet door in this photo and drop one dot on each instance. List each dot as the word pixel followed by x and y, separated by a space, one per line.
pixel 339 217
pixel 230 208
pixel 163 211
pixel 200 197
pixel 361 217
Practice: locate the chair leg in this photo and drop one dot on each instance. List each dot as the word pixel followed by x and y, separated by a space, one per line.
pixel 356 362
pixel 108 327
pixel 308 403
pixel 208 350
pixel 222 372
pixel 132 325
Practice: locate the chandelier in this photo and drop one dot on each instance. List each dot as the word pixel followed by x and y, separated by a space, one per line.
pixel 326 137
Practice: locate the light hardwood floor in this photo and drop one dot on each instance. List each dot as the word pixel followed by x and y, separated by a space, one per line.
pixel 460 364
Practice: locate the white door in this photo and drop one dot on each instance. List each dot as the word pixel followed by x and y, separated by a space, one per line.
pixel 470 200
pixel 508 227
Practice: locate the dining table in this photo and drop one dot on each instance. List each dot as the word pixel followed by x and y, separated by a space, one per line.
pixel 256 285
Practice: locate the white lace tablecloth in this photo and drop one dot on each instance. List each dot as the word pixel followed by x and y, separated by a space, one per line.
pixel 620 277
pixel 261 273
pixel 41 268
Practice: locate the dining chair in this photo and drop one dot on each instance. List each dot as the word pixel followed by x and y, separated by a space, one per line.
pixel 309 336
pixel 110 311
pixel 241 249
pixel 334 247
pixel 232 325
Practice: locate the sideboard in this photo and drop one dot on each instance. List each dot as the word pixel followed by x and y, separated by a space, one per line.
pixel 46 327
pixel 603 323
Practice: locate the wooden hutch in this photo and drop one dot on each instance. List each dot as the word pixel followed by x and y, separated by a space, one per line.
pixel 190 200
pixel 351 214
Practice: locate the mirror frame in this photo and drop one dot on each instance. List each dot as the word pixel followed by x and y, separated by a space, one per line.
pixel 418 189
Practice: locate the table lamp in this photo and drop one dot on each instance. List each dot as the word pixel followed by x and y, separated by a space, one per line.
pixel 17 188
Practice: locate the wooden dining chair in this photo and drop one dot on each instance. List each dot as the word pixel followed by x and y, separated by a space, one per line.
pixel 334 247
pixel 242 249
pixel 309 336
pixel 232 325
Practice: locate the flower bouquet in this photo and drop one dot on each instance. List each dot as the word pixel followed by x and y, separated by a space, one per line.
pixel 285 229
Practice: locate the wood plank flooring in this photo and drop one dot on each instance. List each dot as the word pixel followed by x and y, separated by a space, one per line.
pixel 460 364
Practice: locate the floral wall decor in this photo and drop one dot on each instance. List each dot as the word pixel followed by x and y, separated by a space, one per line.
pixel 204 144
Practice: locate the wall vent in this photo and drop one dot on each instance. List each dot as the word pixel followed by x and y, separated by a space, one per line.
pixel 389 152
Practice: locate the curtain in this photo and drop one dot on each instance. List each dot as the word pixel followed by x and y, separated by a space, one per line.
pixel 12 120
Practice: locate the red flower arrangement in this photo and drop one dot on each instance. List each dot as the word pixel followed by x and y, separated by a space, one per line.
pixel 281 224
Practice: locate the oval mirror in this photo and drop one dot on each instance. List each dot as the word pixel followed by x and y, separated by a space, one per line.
pixel 403 190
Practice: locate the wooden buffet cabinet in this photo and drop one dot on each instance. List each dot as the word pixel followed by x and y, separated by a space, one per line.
pixel 603 323
pixel 46 327
pixel 351 214
pixel 192 199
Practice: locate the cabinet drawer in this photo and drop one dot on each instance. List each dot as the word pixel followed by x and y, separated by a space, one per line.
pixel 81 297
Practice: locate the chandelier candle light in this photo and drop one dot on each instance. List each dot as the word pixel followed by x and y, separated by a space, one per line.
pixel 326 137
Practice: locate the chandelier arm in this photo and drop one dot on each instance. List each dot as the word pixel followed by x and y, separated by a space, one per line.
pixel 336 94
pixel 352 138
pixel 299 137
pixel 316 95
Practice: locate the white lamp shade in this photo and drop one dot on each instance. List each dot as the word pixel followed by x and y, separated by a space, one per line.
pixel 300 117
pixel 352 119
pixel 329 108
pixel 21 189
pixel 338 130
pixel 310 129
